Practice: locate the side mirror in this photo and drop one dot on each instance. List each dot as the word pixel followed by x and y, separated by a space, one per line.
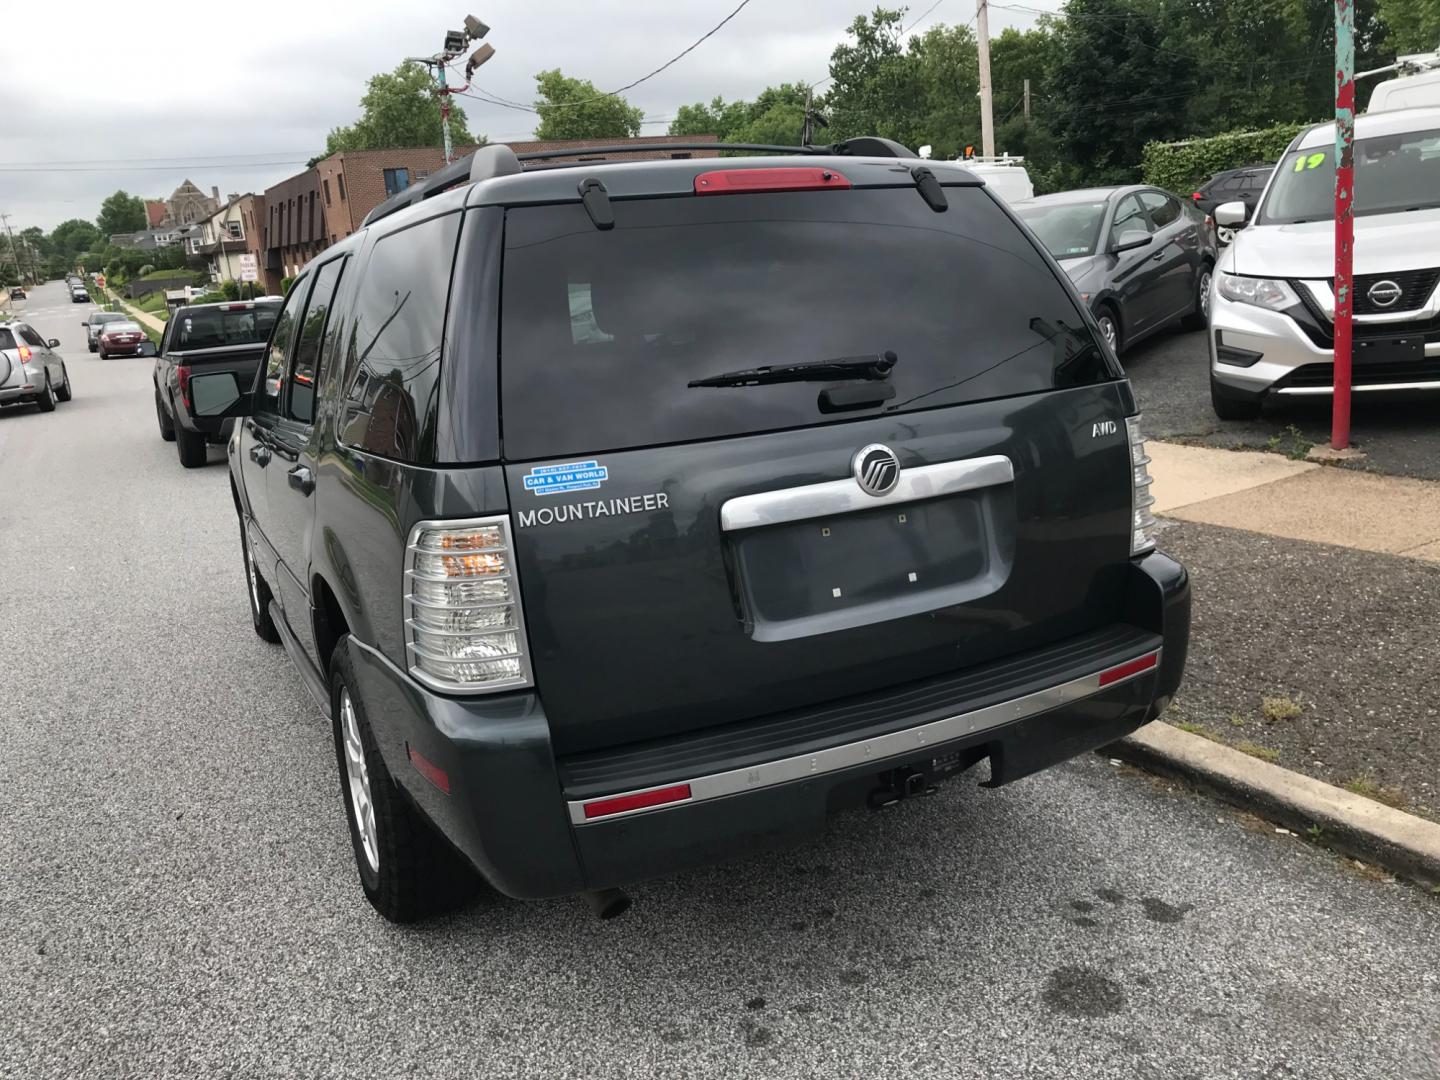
pixel 53 343
pixel 218 394
pixel 1231 214
pixel 1130 240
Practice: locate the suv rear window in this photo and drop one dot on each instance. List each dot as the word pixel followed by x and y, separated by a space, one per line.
pixel 211 328
pixel 601 331
pixel 7 339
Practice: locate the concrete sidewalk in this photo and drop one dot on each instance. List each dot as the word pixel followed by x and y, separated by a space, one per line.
pixel 142 317
pixel 1298 500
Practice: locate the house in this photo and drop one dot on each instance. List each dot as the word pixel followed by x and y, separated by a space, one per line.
pixel 225 235
pixel 188 204
pixel 155 212
pixel 294 227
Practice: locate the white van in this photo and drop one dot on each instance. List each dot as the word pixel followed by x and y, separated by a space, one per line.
pixel 1417 86
pixel 1005 175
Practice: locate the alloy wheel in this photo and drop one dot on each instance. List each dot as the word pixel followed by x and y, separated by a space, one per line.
pixel 1205 293
pixel 1112 338
pixel 358 777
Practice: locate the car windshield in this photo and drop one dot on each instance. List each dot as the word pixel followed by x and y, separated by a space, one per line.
pixel 210 328
pixel 1069 230
pixel 122 328
pixel 1393 173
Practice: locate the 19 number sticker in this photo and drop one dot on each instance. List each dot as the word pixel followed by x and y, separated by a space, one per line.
pixel 1311 161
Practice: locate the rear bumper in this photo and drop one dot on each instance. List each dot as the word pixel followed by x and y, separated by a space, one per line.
pixel 521 817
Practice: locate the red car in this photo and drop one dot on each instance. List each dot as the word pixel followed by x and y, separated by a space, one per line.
pixel 122 339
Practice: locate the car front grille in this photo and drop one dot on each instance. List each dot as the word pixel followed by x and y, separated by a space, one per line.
pixel 1415 288
pixel 1320 329
pixel 1399 371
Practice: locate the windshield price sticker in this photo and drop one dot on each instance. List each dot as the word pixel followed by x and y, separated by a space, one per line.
pixel 1309 161
pixel 571 476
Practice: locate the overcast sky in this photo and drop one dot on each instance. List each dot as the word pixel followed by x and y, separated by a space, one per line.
pixel 100 96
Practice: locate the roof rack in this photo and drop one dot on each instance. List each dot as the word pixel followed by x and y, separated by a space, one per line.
pixel 497 159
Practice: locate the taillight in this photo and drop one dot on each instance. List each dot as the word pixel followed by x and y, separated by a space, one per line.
pixel 464 626
pixel 182 375
pixel 1141 520
pixel 25 354
pixel 747 181
pixel 1196 196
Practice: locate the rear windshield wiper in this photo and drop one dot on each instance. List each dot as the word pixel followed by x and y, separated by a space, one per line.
pixel 874 366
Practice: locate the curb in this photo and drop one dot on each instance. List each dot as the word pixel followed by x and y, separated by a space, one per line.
pixel 1402 843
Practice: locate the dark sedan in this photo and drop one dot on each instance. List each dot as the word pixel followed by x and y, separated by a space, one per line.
pixel 1139 257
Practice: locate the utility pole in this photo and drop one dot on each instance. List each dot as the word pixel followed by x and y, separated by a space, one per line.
pixel 455 42
pixel 1027 100
pixel 987 107
pixel 444 112
pixel 1344 219
pixel 805 127
pixel 14 255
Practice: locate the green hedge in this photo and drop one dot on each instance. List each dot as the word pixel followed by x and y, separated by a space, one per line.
pixel 1182 167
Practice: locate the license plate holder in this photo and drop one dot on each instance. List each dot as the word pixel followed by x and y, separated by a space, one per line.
pixel 1388 350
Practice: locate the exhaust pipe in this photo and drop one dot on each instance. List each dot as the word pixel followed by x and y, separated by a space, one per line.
pixel 608 903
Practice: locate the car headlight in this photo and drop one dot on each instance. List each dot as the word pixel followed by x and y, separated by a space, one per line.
pixel 1269 293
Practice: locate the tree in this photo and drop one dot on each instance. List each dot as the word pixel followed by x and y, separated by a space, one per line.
pixel 575 109
pixel 777 115
pixel 1410 25
pixel 74 237
pixel 35 237
pixel 400 109
pixel 121 213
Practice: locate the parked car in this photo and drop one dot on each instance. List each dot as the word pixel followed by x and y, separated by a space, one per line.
pixel 95 320
pixel 78 295
pixel 1243 185
pixel 17 292
pixel 122 338
pixel 1140 257
pixel 1272 320
pixel 675 580
pixel 30 368
pixel 228 338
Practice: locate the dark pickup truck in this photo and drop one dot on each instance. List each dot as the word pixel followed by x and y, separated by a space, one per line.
pixel 228 337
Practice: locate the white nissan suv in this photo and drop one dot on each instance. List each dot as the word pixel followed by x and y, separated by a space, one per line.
pixel 1272 315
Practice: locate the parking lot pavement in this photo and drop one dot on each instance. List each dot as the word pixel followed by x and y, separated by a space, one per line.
pixel 1171 380
pixel 178 896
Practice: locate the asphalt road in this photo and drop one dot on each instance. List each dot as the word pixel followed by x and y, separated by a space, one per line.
pixel 1170 374
pixel 177 893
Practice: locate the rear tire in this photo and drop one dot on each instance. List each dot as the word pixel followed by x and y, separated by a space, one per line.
pixel 46 398
pixel 1232 404
pixel 64 393
pixel 1110 328
pixel 407 871
pixel 192 448
pixel 259 594
pixel 167 426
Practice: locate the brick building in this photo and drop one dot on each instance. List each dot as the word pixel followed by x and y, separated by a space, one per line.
pixel 307 213
pixel 294 227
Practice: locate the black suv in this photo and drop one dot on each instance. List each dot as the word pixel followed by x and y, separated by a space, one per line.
pixel 625 515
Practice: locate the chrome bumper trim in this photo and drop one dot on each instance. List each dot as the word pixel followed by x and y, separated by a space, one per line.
pixel 1314 391
pixel 897 744
pixel 845 496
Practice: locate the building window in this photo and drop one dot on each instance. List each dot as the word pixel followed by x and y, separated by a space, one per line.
pixel 235 230
pixel 680 157
pixel 326 182
pixel 421 174
pixel 396 181
pixel 340 181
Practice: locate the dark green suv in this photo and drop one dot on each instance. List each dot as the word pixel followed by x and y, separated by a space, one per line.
pixel 624 515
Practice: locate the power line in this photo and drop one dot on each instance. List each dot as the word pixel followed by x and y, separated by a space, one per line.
pixel 182 159
pixel 149 168
pixel 508 104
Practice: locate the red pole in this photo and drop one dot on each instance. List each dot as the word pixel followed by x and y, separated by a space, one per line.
pixel 1344 220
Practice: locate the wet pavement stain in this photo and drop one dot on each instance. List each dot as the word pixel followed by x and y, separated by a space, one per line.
pixel 1082 905
pixel 1082 993
pixel 852 977
pixel 755 1003
pixel 1159 911
pixel 756 1034
pixel 1085 921
pixel 1111 896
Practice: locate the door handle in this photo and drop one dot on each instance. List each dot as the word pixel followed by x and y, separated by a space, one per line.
pixel 301 479
pixel 1157 256
pixel 260 455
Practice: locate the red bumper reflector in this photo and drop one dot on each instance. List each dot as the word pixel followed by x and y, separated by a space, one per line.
pixel 740 181
pixel 1130 667
pixel 428 769
pixel 640 801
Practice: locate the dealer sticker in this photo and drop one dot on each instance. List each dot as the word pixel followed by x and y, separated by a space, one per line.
pixel 571 476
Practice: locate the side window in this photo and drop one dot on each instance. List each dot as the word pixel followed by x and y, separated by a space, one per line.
pixel 278 354
pixel 1129 217
pixel 305 367
pixel 7 339
pixel 393 353
pixel 30 337
pixel 1163 209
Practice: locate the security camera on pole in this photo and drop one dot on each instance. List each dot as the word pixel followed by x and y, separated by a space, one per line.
pixel 455 43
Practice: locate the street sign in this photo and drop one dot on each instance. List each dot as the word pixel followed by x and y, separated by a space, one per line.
pixel 249 268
